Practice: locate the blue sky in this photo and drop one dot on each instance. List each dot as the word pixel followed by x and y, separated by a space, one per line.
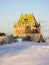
pixel 10 11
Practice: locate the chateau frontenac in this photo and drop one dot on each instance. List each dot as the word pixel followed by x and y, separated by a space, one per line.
pixel 27 23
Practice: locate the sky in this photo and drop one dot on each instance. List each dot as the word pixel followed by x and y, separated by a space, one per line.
pixel 10 11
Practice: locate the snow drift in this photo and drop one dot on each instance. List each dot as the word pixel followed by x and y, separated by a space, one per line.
pixel 24 53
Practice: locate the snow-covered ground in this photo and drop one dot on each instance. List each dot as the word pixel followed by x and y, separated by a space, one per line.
pixel 24 53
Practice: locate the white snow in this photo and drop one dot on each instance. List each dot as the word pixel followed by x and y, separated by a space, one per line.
pixel 24 53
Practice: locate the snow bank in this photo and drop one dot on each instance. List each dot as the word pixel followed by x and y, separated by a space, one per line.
pixel 24 53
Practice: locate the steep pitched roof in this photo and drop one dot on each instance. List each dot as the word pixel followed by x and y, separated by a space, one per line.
pixel 26 19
